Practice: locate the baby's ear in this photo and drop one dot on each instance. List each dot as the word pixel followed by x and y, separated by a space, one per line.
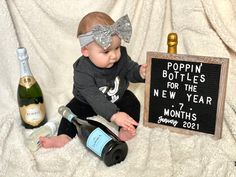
pixel 84 51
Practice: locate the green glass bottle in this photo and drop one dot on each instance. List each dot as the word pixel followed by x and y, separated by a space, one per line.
pixel 29 95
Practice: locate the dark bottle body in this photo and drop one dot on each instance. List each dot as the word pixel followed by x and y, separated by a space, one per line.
pixel 31 98
pixel 102 141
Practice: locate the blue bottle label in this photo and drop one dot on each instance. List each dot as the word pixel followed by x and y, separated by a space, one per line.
pixel 97 140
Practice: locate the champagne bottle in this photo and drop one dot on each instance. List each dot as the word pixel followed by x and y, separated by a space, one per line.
pixel 99 139
pixel 172 41
pixel 29 95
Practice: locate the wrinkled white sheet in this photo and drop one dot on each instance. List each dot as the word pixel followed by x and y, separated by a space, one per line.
pixel 47 29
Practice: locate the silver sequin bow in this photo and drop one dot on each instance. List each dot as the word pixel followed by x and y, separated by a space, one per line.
pixel 102 34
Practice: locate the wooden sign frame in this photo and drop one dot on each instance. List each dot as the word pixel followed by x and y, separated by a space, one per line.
pixel 203 60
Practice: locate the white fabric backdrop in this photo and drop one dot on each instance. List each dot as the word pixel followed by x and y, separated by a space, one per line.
pixel 47 29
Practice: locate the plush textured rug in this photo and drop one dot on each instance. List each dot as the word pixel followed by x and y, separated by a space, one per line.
pixel 47 29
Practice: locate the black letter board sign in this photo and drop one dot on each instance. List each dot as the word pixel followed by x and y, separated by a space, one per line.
pixel 185 93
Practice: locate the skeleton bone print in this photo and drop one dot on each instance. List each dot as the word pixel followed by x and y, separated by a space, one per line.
pixel 111 92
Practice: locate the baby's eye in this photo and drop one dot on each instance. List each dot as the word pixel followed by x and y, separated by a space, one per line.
pixel 106 51
pixel 117 48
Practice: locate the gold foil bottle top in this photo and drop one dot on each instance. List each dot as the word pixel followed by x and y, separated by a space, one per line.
pixel 172 41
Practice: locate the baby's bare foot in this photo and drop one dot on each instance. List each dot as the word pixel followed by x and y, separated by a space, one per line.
pixel 126 135
pixel 54 141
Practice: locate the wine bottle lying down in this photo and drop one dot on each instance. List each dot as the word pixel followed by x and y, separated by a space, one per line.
pixel 98 139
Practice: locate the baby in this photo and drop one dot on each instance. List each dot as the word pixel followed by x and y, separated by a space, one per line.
pixel 101 78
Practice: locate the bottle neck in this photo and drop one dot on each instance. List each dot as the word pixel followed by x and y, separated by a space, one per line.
pixel 74 121
pixel 24 68
pixel 172 41
pixel 172 49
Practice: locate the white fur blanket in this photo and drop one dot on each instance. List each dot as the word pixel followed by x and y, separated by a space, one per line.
pixel 47 29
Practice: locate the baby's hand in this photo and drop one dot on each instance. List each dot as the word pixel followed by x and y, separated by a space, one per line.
pixel 142 71
pixel 124 120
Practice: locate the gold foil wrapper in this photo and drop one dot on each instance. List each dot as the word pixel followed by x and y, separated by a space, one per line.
pixel 27 81
pixel 172 41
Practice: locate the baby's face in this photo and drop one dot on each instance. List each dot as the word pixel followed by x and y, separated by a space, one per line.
pixel 105 58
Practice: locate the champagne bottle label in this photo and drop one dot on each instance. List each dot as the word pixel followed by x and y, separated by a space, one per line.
pixel 27 81
pixel 97 140
pixel 33 114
